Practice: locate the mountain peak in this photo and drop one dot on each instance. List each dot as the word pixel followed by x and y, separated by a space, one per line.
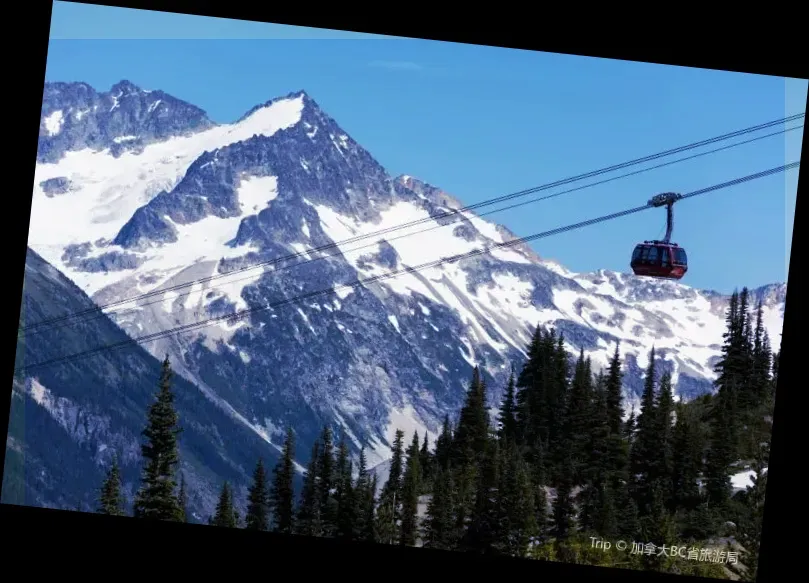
pixel 125 86
pixel 307 102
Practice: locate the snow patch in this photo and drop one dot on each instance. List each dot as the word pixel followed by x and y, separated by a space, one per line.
pixel 53 123
pixel 256 192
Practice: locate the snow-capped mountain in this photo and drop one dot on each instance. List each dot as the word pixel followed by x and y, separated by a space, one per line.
pixel 132 197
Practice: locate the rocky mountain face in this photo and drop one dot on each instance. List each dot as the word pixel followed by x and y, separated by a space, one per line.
pixel 125 118
pixel 68 420
pixel 185 215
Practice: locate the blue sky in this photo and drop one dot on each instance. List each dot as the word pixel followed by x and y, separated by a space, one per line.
pixel 481 122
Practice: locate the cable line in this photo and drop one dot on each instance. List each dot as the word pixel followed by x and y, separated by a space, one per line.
pixel 242 314
pixel 97 315
pixel 98 311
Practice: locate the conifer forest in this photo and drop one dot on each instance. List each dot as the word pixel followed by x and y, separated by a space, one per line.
pixel 560 475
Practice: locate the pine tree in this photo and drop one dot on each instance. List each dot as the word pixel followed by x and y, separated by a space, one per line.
pixel 630 427
pixel 111 500
pixel 225 515
pixel 326 477
pixel 529 395
pixel 536 477
pixel 619 434
pixel 607 523
pixel 364 495
pixel 410 494
pixel 762 357
pixel 257 500
pixel 386 527
pixel 440 522
pixel 556 403
pixel 507 417
pixel 599 474
pixel 389 514
pixel 443 446
pixel 309 520
pixel 426 462
pixel 663 461
pixel 722 449
pixel 182 500
pixel 465 482
pixel 282 495
pixel 686 461
pixel 473 425
pixel 576 436
pixel 516 512
pixel 482 533
pixel 613 384
pixel 644 448
pixel 750 534
pixel 156 499
pixel 731 383
pixel 344 493
pixel 563 510
pixel 628 521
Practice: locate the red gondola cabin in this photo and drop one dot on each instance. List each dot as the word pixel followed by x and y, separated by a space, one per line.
pixel 659 259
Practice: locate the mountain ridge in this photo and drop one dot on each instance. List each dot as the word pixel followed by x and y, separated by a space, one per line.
pixel 285 178
pixel 69 420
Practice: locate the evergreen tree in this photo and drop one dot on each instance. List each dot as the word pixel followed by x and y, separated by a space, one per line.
pixel 344 493
pixel 507 417
pixel 386 527
pixel 563 510
pixel 644 448
pixel 426 462
pixel 536 478
pixel 686 461
pixel 607 523
pixel 577 436
pixel 762 357
pixel 473 425
pixel 309 520
pixel 390 500
pixel 111 500
pixel 440 522
pixel 628 521
pixel 364 495
pixel 556 403
pixel 443 446
pixel 613 383
pixel 530 391
pixel 410 494
pixel 225 515
pixel 257 500
pixel 599 474
pixel 182 500
pixel 732 379
pixel 750 532
pixel 630 426
pixel 516 512
pixel 482 533
pixel 618 438
pixel 282 495
pixel 369 515
pixel 465 482
pixel 156 498
pixel 721 450
pixel 326 478
pixel 663 460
